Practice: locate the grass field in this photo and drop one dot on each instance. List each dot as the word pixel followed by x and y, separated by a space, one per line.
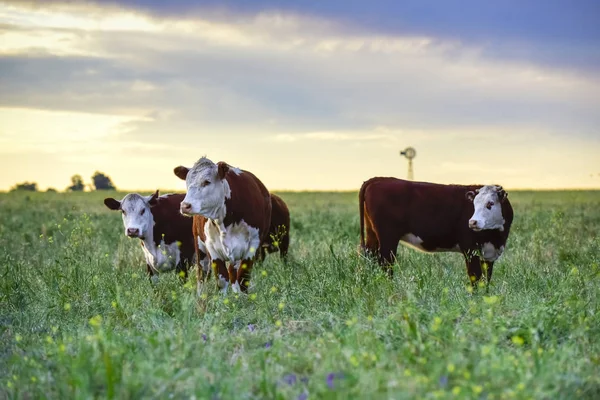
pixel 79 318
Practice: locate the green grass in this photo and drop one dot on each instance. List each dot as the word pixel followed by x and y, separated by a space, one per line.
pixel 79 318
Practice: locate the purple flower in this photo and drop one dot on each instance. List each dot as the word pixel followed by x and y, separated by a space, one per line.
pixel 204 337
pixel 331 376
pixel 268 345
pixel 303 396
pixel 443 381
pixel 251 327
pixel 290 379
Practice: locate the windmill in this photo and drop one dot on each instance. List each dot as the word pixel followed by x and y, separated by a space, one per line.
pixel 409 153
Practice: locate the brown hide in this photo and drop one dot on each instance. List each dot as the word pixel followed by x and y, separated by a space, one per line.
pixel 438 214
pixel 250 200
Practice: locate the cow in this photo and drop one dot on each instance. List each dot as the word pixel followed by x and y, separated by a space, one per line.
pixel 165 235
pixel 279 229
pixel 474 220
pixel 237 208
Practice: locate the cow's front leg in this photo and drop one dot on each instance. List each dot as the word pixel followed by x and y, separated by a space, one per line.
pixel 243 275
pixel 182 270
pixel 488 268
pixel 151 274
pixel 473 267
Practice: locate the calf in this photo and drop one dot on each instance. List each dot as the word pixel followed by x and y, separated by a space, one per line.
pixel 165 235
pixel 279 229
pixel 237 208
pixel 474 220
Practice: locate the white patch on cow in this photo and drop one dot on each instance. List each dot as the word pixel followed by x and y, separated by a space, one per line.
pixel 206 193
pixel 238 241
pixel 236 287
pixel 137 216
pixel 415 242
pixel 236 171
pixel 163 257
pixel 488 210
pixel 490 253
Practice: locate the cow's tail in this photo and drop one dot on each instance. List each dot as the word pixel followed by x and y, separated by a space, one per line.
pixel 361 209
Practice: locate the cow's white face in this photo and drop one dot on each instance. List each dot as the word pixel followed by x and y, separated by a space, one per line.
pixel 135 211
pixel 207 189
pixel 488 208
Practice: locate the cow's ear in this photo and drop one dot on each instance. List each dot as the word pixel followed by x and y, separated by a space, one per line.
pixel 470 195
pixel 502 195
pixel 112 203
pixel 153 199
pixel 181 172
pixel 223 168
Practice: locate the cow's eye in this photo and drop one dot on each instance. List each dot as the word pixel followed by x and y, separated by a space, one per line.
pixel 489 205
pixel 205 183
pixel 143 211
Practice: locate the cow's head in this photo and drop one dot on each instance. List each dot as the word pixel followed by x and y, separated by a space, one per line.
pixel 136 213
pixel 207 188
pixel 487 202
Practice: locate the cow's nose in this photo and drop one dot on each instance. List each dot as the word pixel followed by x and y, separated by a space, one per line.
pixel 185 207
pixel 472 223
pixel 133 232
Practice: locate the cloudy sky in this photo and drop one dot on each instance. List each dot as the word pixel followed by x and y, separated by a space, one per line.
pixel 307 95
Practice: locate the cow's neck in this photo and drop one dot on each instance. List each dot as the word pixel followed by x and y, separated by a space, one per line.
pixel 219 215
pixel 149 244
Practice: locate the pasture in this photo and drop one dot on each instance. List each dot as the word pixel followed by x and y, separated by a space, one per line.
pixel 80 319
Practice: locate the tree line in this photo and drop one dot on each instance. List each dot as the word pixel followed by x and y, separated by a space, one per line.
pixel 100 181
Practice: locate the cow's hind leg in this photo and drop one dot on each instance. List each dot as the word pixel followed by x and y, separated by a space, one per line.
pixel 243 274
pixel 473 268
pixel 371 247
pixel 284 245
pixel 387 254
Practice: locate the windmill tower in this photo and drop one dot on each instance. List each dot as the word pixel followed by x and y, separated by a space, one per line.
pixel 409 153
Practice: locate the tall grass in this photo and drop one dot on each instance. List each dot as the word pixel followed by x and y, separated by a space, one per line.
pixel 80 319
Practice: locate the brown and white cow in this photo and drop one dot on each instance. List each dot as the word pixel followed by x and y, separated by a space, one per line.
pixel 474 220
pixel 237 208
pixel 279 229
pixel 165 235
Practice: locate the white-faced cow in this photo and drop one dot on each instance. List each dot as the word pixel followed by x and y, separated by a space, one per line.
pixel 237 208
pixel 474 220
pixel 165 235
pixel 279 229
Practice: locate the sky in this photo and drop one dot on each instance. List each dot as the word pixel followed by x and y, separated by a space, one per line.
pixel 307 95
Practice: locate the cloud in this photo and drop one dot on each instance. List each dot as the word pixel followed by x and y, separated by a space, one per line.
pixel 334 137
pixel 217 82
pixel 308 73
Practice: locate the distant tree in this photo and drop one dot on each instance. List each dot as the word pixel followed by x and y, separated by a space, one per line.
pixel 76 184
pixel 102 182
pixel 51 190
pixel 25 186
